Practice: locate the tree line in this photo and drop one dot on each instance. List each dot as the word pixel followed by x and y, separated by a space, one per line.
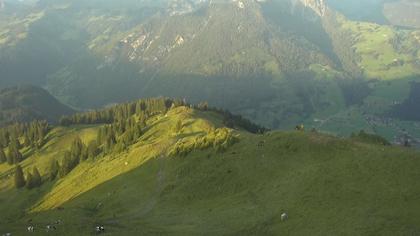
pixel 15 137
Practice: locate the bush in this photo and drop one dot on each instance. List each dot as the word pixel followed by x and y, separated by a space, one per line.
pixel 219 139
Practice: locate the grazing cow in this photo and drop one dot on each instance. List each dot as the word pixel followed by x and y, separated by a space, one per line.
pixel 100 229
pixel 7 234
pixel 30 229
pixel 50 228
pixel 284 216
pixel 300 127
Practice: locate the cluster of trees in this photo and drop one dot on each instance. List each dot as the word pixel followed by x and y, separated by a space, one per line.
pixel 33 179
pixel 32 134
pixel 233 121
pixel 124 125
pixel 77 153
pixel 21 135
pixel 120 135
pixel 220 139
pixel 116 137
pixel 143 107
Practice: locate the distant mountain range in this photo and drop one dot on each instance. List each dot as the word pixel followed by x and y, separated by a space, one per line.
pixel 277 62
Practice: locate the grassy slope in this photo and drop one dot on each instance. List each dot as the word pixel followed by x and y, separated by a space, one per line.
pixel 373 43
pixel 327 185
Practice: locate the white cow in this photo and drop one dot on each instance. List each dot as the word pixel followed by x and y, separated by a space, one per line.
pixel 100 229
pixel 284 216
pixel 30 229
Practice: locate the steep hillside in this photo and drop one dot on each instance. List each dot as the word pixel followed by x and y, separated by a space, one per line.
pixel 187 174
pixel 27 103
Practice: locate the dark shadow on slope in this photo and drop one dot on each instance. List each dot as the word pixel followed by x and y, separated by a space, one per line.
pixel 409 109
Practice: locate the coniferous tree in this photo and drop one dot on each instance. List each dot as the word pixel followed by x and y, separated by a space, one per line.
pixel 10 158
pixel 54 168
pixel 27 141
pixel 36 177
pixel 77 149
pixel 19 177
pixel 14 156
pixel 66 165
pixel 29 181
pixel 3 157
pixel 93 149
pixel 14 142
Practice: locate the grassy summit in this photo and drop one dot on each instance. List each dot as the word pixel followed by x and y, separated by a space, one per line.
pixel 188 174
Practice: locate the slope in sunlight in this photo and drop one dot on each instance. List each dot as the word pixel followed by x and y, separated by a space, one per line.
pixel 163 167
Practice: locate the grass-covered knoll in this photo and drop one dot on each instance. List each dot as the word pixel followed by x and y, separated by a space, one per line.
pixel 328 185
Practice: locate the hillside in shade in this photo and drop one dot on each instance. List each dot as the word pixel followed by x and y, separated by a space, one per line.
pixel 27 103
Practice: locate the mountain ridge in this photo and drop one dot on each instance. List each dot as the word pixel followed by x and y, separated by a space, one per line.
pixel 27 103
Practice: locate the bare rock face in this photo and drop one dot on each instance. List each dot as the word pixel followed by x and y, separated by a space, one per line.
pixel 318 6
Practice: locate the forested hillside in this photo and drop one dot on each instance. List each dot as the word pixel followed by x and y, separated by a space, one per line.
pixel 27 103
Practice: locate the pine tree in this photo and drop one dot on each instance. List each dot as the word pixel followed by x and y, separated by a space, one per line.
pixel 29 181
pixel 18 156
pixel 65 165
pixel 3 157
pixel 10 158
pixel 36 178
pixel 14 156
pixel 19 178
pixel 76 148
pixel 54 168
pixel 14 142
pixel 92 149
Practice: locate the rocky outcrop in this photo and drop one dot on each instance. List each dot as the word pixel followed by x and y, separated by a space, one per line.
pixel 318 6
